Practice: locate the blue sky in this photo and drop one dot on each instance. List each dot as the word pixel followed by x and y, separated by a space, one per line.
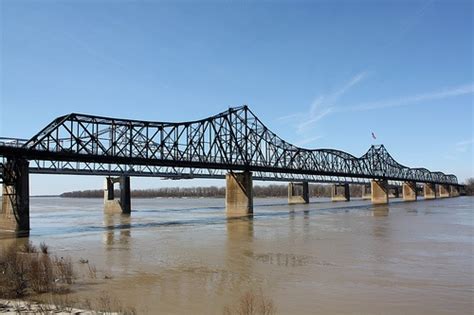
pixel 321 74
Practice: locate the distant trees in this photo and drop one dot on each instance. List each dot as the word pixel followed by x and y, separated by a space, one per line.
pixel 173 192
pixel 315 190
pixel 85 194
pixel 469 186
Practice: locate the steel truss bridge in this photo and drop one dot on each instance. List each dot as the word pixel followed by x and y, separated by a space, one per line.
pixel 234 140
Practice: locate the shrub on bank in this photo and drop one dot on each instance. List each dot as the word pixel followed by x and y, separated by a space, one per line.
pixel 251 303
pixel 26 270
pixel 469 187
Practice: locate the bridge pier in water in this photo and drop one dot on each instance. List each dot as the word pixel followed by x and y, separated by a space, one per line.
pixel 298 193
pixel 454 191
pixel 15 211
pixel 366 192
pixel 239 194
pixel 379 190
pixel 444 191
pixel 340 192
pixel 429 191
pixel 111 205
pixel 409 191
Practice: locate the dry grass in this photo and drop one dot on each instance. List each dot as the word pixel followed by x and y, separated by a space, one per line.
pixel 106 304
pixel 92 271
pixel 13 274
pixel 25 270
pixel 29 248
pixel 252 303
pixel 64 269
pixel 44 248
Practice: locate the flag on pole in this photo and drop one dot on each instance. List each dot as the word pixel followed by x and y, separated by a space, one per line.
pixel 373 135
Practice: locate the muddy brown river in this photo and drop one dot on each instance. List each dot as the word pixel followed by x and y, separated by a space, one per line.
pixel 182 256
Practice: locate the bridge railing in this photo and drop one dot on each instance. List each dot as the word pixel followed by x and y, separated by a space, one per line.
pixel 12 142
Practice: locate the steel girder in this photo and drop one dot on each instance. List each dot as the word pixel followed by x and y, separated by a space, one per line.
pixel 232 140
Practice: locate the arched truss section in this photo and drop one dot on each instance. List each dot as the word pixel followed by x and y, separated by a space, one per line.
pixel 235 139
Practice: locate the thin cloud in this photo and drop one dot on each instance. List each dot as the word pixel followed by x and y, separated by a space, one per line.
pixel 415 99
pixel 450 157
pixel 319 108
pixel 463 146
pixel 465 142
pixel 323 105
pixel 314 118
pixel 288 117
pixel 308 140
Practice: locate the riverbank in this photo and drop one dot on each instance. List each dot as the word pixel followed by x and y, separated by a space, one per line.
pixel 14 307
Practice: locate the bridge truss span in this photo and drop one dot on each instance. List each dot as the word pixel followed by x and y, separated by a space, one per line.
pixel 234 140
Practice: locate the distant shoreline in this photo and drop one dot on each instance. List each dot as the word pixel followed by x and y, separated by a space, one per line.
pixel 44 196
pixel 270 191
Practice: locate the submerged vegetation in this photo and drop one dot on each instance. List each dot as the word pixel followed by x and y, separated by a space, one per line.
pixel 251 303
pixel 25 271
pixel 46 281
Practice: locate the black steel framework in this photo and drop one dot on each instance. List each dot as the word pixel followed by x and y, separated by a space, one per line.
pixel 234 140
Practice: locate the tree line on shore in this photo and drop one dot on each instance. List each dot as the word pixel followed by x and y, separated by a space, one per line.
pixel 469 187
pixel 315 190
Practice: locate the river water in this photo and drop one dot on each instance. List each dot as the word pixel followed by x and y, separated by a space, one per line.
pixel 182 256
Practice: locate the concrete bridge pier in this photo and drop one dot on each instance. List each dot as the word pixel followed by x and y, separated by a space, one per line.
pixel 454 191
pixel 340 192
pixel 366 192
pixel 124 204
pixel 409 191
pixel 15 211
pixel 379 190
pixel 298 193
pixel 429 191
pixel 239 194
pixel 444 191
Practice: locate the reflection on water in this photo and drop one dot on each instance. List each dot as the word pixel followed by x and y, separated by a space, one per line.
pixel 117 228
pixel 176 256
pixel 380 210
pixel 7 241
pixel 239 229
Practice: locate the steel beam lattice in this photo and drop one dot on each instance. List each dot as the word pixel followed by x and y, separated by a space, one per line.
pixel 233 140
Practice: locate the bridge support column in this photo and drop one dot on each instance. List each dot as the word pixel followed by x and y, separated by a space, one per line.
pixel 112 205
pixel 340 192
pixel 444 191
pixel 409 191
pixel 108 189
pixel 394 192
pixel 15 211
pixel 366 192
pixel 125 195
pixel 379 191
pixel 429 191
pixel 239 194
pixel 298 193
pixel 454 191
